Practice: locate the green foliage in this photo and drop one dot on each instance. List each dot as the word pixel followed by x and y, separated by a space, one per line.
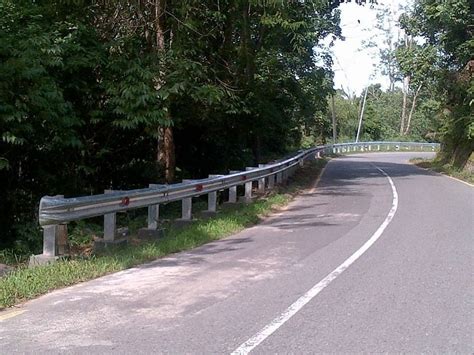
pixel 446 58
pixel 86 85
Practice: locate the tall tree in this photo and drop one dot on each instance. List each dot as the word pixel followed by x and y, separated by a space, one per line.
pixel 447 27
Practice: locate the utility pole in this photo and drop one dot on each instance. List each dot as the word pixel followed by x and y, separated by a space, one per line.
pixel 362 114
pixel 334 132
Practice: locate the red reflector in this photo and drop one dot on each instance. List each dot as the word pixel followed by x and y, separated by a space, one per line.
pixel 199 187
pixel 125 201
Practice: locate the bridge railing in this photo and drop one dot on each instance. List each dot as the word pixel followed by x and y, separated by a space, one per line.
pixel 56 211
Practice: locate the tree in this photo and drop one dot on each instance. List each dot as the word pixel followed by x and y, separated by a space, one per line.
pixel 384 37
pixel 447 27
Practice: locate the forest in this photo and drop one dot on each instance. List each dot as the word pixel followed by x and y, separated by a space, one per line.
pixel 116 94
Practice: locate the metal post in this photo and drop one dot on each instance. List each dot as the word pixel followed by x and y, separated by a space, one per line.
pixel 361 114
pixel 110 223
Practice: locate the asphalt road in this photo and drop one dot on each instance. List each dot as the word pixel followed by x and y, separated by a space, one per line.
pixel 399 260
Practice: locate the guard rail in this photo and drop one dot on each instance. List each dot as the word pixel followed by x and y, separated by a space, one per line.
pixel 56 211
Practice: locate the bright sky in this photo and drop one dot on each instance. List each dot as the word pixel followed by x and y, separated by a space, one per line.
pixel 354 65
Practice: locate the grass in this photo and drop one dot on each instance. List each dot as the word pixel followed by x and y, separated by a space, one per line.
pixel 448 169
pixel 26 283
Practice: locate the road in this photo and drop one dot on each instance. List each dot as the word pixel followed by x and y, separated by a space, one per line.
pixel 356 265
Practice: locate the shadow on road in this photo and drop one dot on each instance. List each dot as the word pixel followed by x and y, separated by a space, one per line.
pixel 347 179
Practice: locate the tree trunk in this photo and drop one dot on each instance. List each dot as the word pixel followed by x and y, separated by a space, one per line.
pixel 413 104
pixel 166 157
pixel 166 153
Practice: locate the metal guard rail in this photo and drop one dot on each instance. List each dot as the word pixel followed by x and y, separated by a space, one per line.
pixel 55 210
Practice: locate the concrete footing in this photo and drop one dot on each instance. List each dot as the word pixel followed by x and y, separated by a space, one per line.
pixel 101 244
pixel 150 234
pixel 39 260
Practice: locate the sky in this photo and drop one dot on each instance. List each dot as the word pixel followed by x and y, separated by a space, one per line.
pixel 354 65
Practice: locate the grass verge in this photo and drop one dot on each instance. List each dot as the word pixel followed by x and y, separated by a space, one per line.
pixel 447 169
pixel 24 283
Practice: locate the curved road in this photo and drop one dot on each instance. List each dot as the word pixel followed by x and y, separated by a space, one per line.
pixel 356 265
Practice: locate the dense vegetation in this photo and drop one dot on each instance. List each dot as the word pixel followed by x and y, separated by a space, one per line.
pixel 429 66
pixel 444 64
pixel 119 94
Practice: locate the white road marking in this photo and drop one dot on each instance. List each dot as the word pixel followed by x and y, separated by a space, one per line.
pixel 445 175
pixel 270 328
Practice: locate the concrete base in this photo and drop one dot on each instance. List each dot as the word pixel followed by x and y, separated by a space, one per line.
pixel 38 260
pixel 150 234
pixel 243 199
pixel 180 223
pixel 5 269
pixel 122 232
pixel 207 213
pixel 101 244
pixel 227 203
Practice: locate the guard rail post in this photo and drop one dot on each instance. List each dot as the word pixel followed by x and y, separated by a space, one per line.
pixel 261 181
pixel 186 206
pixel 212 199
pixel 279 177
pixel 153 213
pixel 284 174
pixel 233 189
pixel 248 188
pixel 271 181
pixel 110 224
pixel 186 209
pixel 50 244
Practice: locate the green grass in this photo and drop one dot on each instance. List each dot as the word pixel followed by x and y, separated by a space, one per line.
pixel 26 283
pixel 448 169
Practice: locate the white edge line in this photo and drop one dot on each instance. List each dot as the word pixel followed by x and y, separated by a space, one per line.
pixel 276 323
pixel 443 174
